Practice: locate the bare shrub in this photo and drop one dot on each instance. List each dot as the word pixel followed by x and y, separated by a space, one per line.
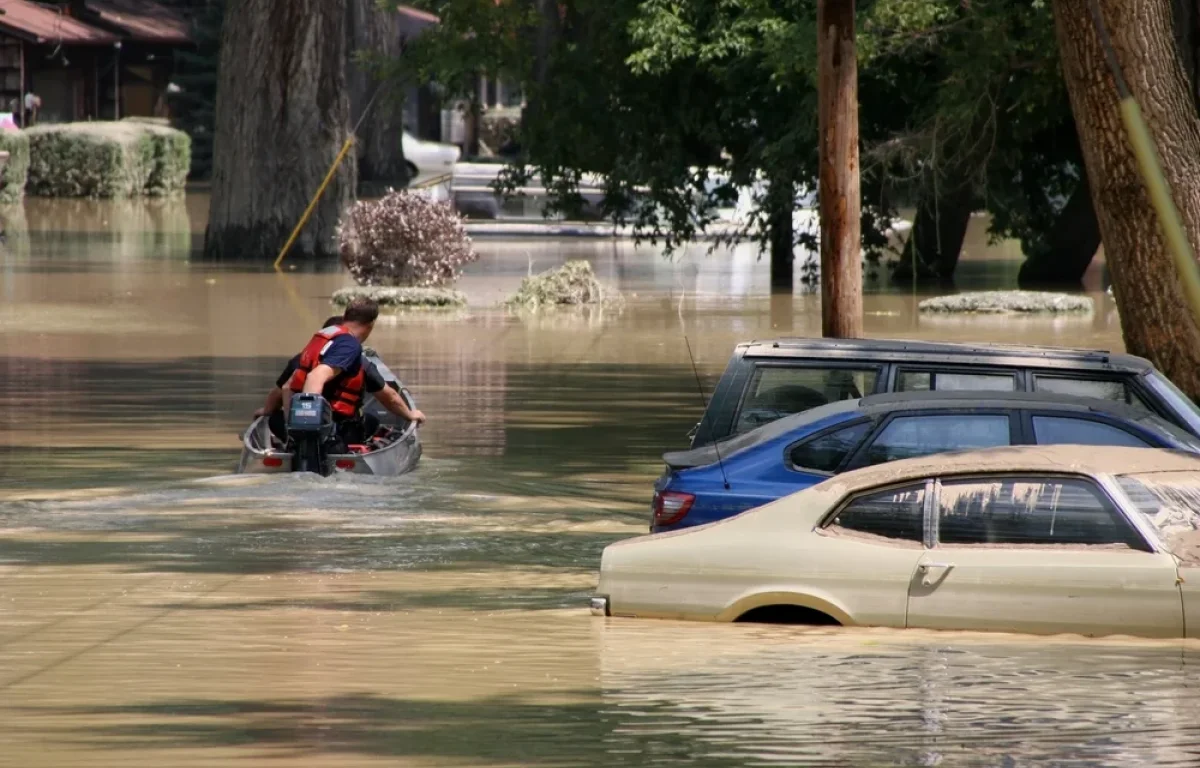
pixel 404 239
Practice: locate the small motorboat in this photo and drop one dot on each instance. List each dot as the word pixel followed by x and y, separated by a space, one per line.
pixel 394 449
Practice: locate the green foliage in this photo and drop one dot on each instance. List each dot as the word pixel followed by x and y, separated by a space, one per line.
pixel 676 104
pixel 474 36
pixel 105 159
pixel 16 169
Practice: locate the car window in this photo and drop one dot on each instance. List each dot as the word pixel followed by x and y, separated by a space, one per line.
pixel 1029 511
pixel 954 381
pixel 1057 430
pixel 1117 391
pixel 897 513
pixel 825 453
pixel 909 436
pixel 775 392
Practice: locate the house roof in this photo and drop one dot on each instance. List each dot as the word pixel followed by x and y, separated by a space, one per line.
pixel 45 25
pixel 142 20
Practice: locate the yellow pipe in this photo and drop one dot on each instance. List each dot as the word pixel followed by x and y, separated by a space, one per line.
pixel 1160 196
pixel 313 203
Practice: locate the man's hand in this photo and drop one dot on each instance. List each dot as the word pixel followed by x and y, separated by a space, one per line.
pixel 258 412
pixel 418 416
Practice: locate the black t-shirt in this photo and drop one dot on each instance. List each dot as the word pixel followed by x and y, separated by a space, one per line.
pixel 373 380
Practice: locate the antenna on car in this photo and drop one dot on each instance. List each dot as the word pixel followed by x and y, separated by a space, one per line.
pixel 703 399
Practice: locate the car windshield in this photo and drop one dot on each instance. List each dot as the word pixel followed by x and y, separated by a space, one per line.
pixel 1170 431
pixel 1178 401
pixel 1171 502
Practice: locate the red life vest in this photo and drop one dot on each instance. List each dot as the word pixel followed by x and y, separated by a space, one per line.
pixel 344 392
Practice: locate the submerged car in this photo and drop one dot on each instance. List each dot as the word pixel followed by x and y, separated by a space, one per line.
pixel 767 380
pixel 426 159
pixel 1060 539
pixel 722 479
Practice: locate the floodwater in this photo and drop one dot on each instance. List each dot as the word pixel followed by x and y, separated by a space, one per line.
pixel 155 610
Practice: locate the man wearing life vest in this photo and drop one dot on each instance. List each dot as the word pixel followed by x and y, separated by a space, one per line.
pixel 332 365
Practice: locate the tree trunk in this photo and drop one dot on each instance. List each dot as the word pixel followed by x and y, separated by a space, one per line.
pixel 375 32
pixel 839 191
pixel 1063 258
pixel 1156 320
pixel 281 119
pixel 938 232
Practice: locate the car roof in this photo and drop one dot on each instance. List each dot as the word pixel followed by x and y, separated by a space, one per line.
pixel 900 350
pixel 874 405
pixel 1070 459
pixel 897 401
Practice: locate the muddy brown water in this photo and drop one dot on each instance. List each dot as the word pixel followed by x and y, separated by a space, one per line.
pixel 155 610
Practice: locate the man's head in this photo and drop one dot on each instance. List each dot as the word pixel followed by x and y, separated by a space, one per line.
pixel 359 317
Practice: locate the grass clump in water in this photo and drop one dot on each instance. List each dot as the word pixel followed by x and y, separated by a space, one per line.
pixel 107 159
pixel 572 284
pixel 406 297
pixel 1000 302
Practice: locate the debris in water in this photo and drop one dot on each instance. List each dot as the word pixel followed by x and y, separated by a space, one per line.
pixel 572 284
pixel 403 297
pixel 999 302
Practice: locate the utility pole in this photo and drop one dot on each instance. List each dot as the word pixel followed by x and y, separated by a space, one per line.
pixel 839 191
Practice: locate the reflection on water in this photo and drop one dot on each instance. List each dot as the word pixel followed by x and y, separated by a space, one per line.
pixel 156 611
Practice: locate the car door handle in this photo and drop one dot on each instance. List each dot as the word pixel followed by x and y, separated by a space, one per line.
pixel 927 571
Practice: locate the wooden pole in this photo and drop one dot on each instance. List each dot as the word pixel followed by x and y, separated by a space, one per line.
pixel 840 198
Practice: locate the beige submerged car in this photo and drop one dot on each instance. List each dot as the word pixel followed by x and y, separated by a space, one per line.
pixel 1039 539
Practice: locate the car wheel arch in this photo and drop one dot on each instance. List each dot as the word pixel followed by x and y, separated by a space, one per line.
pixel 785 599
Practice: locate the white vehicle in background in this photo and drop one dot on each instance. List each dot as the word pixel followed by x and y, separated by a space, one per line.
pixel 428 159
pixel 1090 540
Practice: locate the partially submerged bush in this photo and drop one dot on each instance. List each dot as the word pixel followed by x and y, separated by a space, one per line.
pixel 1007 301
pixel 16 169
pixel 402 297
pixel 172 159
pixel 574 283
pixel 404 239
pixel 107 159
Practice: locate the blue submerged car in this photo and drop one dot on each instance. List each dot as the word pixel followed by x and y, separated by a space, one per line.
pixel 720 480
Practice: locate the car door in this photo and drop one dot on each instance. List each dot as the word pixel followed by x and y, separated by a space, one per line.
pixel 1040 554
pixel 909 435
pixel 869 553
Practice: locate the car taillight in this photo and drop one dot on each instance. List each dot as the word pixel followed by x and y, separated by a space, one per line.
pixel 670 507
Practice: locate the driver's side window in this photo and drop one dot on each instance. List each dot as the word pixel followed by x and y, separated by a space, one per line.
pixel 777 391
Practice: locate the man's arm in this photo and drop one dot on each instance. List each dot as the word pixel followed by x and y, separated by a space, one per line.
pixel 273 403
pixel 318 377
pixel 391 399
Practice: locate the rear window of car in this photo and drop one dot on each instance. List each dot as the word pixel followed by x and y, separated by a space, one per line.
pixel 777 391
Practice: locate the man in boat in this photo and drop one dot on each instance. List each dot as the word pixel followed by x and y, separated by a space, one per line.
pixel 344 388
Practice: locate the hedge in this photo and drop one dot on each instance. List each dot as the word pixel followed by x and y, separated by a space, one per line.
pixel 12 180
pixel 107 159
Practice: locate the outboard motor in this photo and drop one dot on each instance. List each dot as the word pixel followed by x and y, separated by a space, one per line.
pixel 310 428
